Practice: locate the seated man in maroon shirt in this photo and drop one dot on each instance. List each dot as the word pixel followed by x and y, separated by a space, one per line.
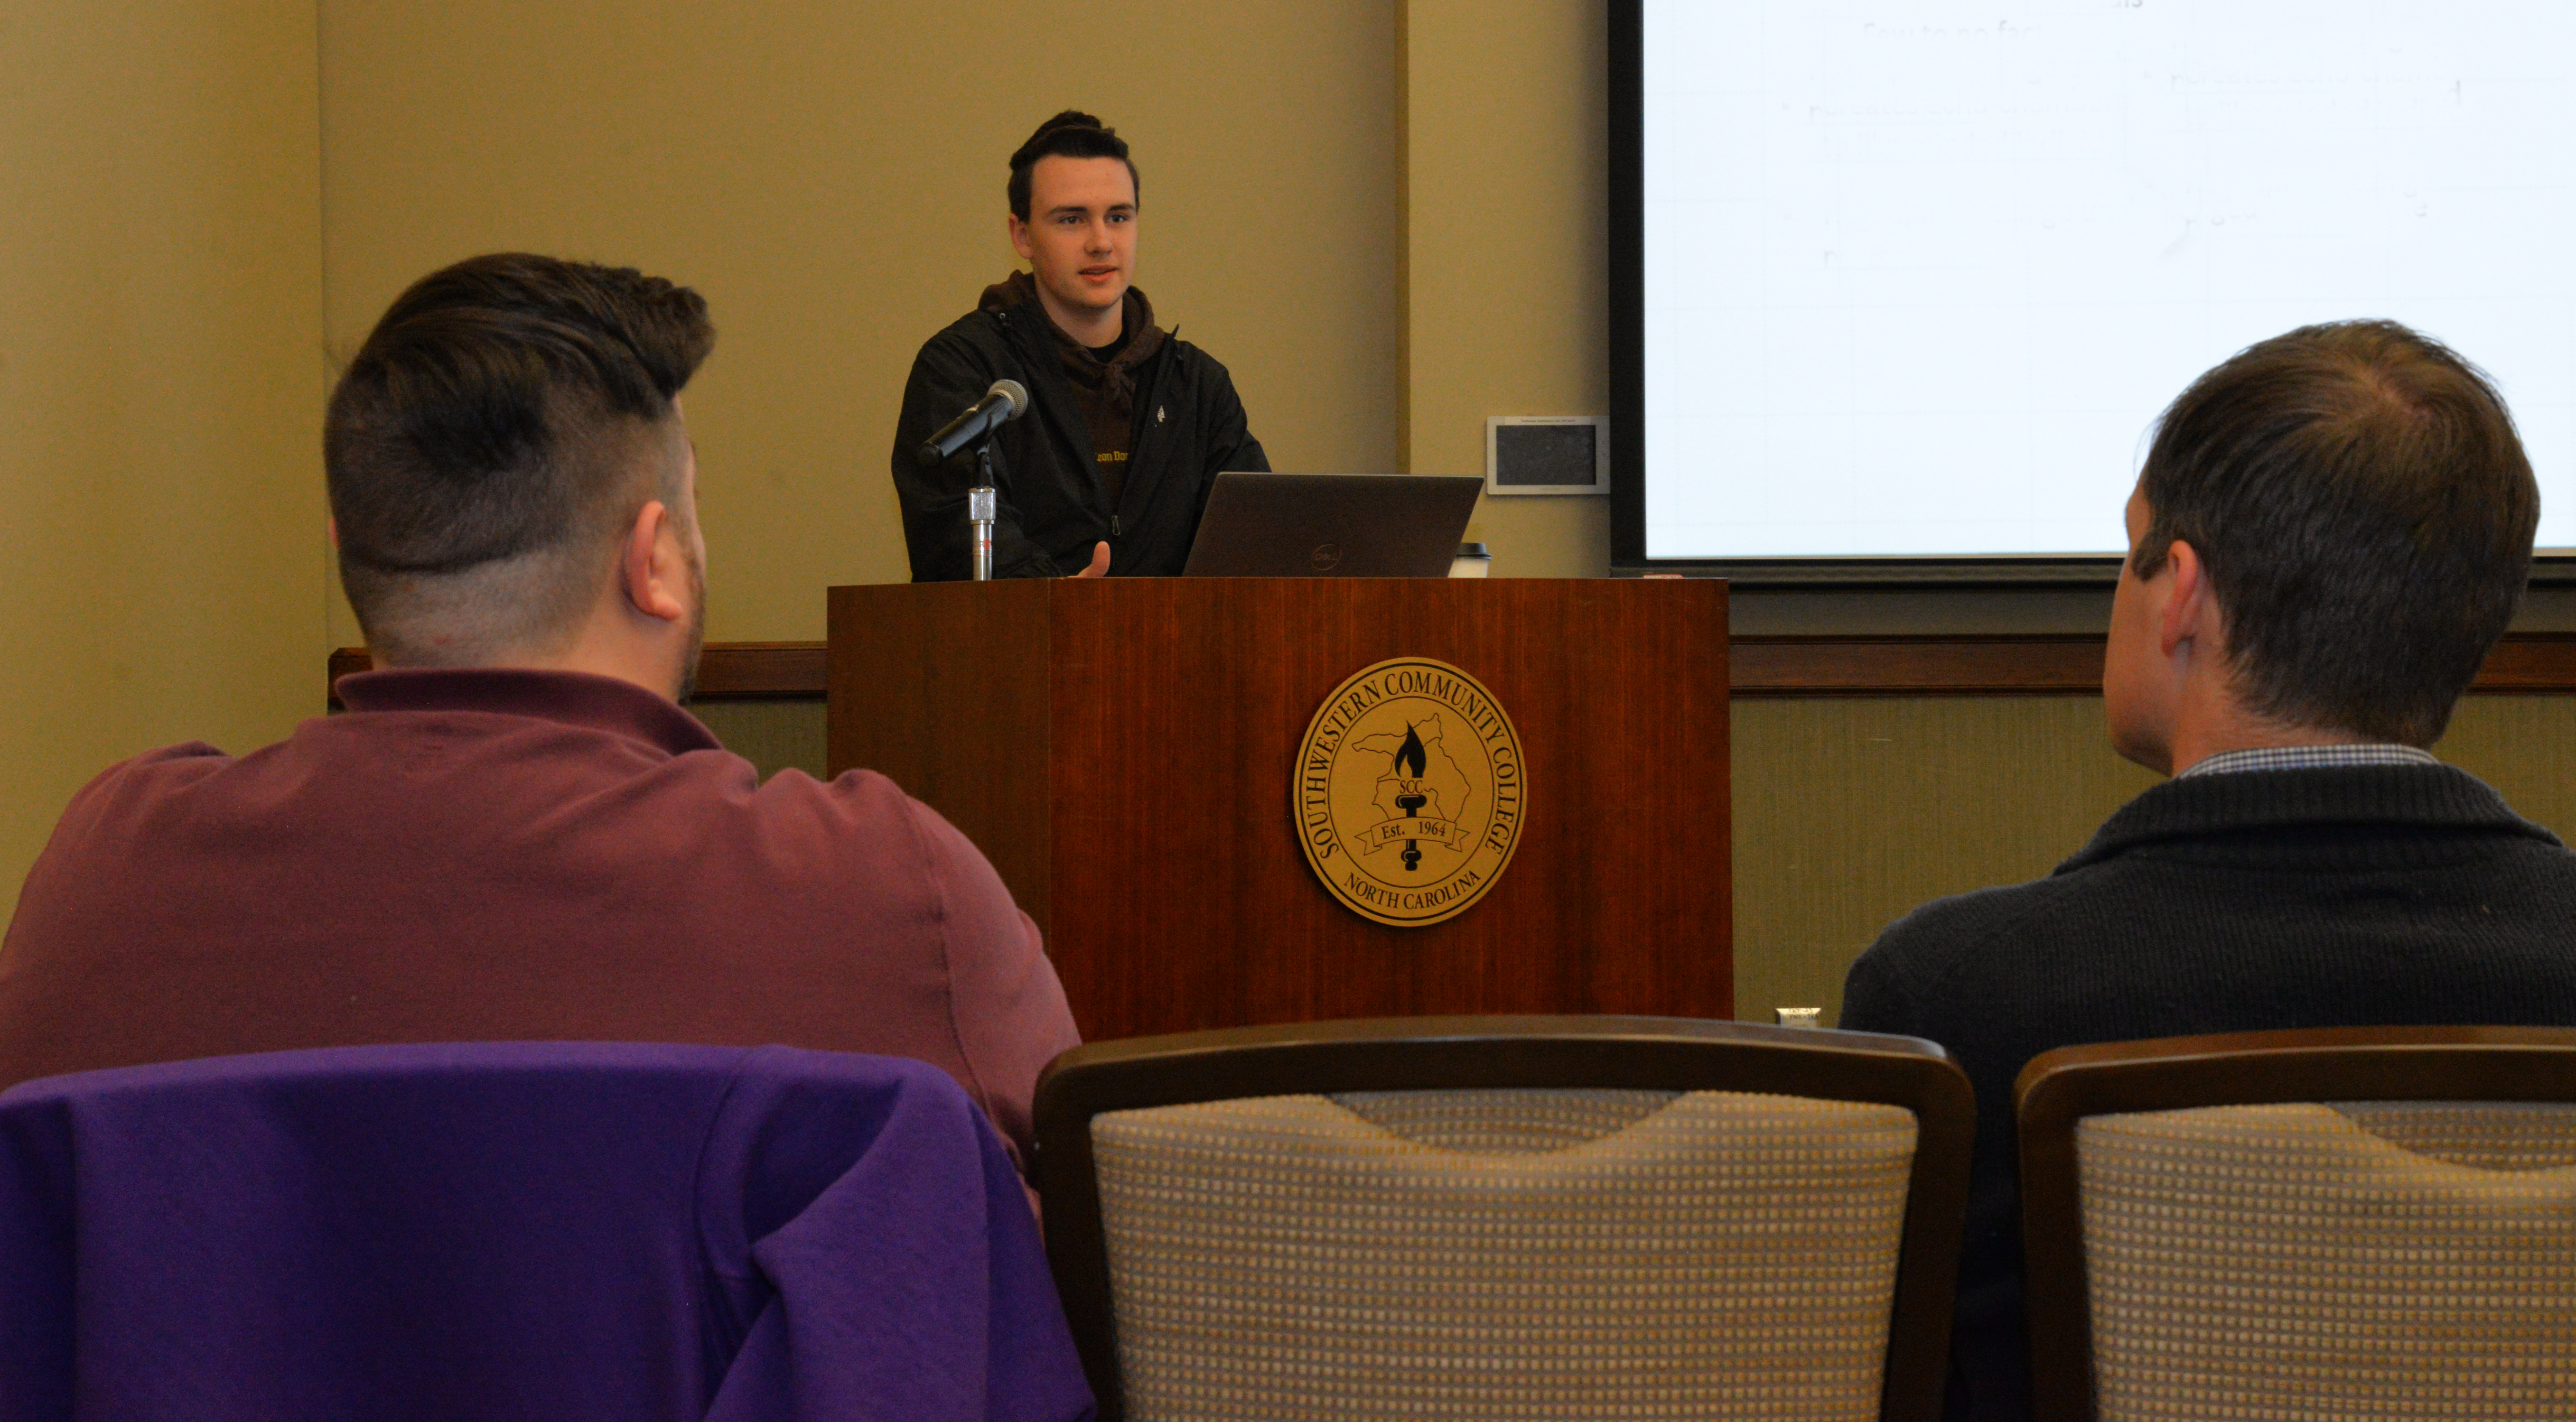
pixel 515 833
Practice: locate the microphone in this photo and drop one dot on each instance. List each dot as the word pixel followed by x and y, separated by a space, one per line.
pixel 1005 402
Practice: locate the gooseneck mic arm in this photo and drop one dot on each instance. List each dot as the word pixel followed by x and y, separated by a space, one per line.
pixel 1005 402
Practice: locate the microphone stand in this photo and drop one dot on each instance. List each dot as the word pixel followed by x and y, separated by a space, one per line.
pixel 979 512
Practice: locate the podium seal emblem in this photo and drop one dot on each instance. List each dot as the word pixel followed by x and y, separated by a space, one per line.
pixel 1410 792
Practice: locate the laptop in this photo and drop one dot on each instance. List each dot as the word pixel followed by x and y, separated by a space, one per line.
pixel 1332 525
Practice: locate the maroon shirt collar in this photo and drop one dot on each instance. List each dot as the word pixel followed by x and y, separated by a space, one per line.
pixel 602 703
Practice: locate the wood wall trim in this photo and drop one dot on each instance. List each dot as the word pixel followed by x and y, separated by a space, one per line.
pixel 2530 662
pixel 2059 665
pixel 2525 663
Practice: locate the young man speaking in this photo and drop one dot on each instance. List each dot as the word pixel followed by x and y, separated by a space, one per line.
pixel 2332 530
pixel 1111 469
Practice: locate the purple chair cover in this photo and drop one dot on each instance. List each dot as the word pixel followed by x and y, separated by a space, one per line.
pixel 537 1230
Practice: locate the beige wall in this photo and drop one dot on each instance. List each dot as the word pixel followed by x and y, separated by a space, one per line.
pixel 160 364
pixel 1506 135
pixel 1388 217
pixel 830 176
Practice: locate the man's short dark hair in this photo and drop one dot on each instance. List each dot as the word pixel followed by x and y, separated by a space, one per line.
pixel 2365 511
pixel 495 431
pixel 1071 134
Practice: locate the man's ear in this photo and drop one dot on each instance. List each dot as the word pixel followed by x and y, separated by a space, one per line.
pixel 2191 606
pixel 1019 235
pixel 651 567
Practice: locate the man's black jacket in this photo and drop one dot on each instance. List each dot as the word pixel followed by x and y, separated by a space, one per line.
pixel 2356 896
pixel 1189 425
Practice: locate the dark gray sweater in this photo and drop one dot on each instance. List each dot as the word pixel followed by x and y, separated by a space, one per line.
pixel 2367 895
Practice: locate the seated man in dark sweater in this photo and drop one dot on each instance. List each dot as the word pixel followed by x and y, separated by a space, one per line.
pixel 2331 530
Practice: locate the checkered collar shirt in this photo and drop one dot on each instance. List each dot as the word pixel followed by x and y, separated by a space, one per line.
pixel 2308 758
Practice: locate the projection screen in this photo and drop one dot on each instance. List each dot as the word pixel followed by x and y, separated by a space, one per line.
pixel 1899 286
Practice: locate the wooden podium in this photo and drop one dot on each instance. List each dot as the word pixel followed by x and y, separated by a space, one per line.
pixel 1126 751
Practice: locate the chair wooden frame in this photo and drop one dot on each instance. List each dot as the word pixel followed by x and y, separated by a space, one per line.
pixel 2059 1089
pixel 1528 1053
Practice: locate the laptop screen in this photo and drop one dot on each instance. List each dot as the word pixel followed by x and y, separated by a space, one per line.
pixel 1332 525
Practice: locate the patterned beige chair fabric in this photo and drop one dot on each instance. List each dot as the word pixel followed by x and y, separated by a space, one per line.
pixel 2382 1260
pixel 1503 1254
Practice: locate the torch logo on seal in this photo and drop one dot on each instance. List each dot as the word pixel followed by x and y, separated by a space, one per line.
pixel 1410 792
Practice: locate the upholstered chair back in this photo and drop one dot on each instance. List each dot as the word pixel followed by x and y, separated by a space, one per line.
pixel 1354 1256
pixel 2380 1259
pixel 1510 1251
pixel 2398 1258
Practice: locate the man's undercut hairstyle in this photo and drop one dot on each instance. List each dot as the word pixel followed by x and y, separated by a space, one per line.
pixel 2365 512
pixel 1071 134
pixel 496 435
